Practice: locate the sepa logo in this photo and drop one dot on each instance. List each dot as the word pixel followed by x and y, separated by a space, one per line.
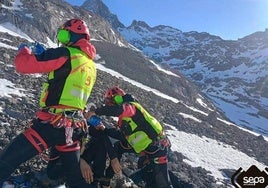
pixel 252 178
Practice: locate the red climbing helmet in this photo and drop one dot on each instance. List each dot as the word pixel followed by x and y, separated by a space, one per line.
pixel 113 92
pixel 77 26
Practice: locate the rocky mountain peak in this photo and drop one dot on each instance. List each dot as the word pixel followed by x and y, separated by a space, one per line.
pixel 96 6
pixel 29 15
pixel 210 66
pixel 99 8
pixel 221 68
pixel 136 23
pixel 217 66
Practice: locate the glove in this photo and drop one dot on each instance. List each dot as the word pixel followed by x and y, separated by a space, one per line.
pixel 22 45
pixel 94 121
pixel 38 48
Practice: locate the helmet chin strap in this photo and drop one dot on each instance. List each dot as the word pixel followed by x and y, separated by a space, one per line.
pixel 60 44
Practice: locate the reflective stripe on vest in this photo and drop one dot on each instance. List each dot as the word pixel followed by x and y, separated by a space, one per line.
pixel 139 138
pixel 72 87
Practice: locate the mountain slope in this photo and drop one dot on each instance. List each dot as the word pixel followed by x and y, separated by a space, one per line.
pixel 233 74
pixel 173 99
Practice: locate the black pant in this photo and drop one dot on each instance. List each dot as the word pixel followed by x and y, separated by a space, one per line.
pixel 96 158
pixel 156 175
pixel 20 150
pixel 153 174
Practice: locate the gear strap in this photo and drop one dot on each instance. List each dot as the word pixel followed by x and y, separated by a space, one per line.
pixel 75 146
pixel 36 140
pixel 163 142
pixel 146 160
pixel 160 160
pixel 69 120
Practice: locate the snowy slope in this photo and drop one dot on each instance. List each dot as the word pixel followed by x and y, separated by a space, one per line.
pixel 200 151
pixel 232 73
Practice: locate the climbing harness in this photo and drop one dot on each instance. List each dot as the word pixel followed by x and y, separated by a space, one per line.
pixel 69 120
pixel 162 142
pixel 36 140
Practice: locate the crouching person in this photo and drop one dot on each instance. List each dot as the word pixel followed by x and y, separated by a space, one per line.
pixel 138 132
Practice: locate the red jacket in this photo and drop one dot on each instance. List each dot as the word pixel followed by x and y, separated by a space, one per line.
pixel 49 60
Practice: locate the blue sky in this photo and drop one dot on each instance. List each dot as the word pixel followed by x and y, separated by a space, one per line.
pixel 229 19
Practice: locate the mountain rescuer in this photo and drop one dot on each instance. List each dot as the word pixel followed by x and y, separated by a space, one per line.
pixel 138 132
pixel 60 122
pixel 93 159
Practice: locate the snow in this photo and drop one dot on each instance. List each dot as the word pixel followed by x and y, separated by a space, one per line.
pixel 16 5
pixel 118 75
pixel 7 46
pixel 7 88
pixel 190 117
pixel 9 28
pixel 224 95
pixel 198 151
pixel 243 115
pixel 209 154
pixel 163 70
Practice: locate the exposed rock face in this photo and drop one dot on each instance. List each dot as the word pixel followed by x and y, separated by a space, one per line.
pixel 41 23
pixel 233 74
